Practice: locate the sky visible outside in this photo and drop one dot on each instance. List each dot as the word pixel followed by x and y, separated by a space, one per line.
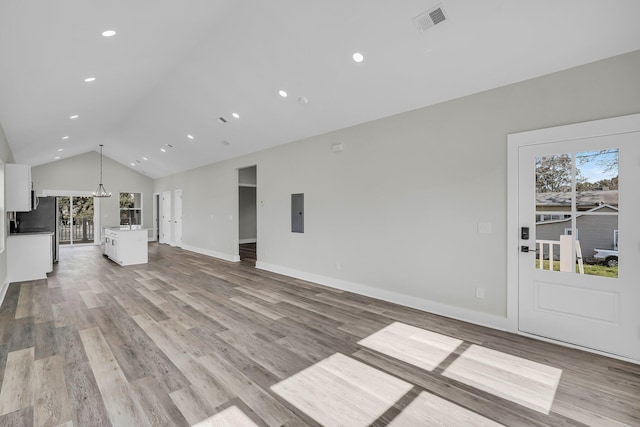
pixel 597 165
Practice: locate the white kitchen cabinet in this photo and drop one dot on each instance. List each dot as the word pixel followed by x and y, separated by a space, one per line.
pixel 126 247
pixel 18 188
pixel 29 256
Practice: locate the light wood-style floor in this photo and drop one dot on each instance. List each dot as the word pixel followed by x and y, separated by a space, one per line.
pixel 191 340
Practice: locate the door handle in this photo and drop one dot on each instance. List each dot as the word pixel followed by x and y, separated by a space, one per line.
pixel 526 249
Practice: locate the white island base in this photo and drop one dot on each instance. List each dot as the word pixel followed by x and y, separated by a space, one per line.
pixel 126 247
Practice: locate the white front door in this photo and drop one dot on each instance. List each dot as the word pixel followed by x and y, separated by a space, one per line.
pixel 575 196
pixel 177 218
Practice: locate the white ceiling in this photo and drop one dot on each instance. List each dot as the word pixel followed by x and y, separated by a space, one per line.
pixel 174 67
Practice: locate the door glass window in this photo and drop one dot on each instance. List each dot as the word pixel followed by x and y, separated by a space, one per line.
pixel 578 191
pixel 76 220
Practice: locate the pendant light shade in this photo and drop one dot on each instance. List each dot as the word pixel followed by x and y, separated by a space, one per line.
pixel 101 191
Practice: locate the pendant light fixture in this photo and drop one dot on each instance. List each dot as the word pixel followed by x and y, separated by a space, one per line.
pixel 100 191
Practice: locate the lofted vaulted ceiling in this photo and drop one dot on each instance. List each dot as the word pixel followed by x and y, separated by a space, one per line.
pixel 174 67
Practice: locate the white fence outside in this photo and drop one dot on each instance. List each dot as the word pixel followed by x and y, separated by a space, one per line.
pixel 563 248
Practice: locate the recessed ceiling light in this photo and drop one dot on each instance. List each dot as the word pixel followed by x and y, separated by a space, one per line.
pixel 303 100
pixel 65 137
pixel 190 136
pixel 108 33
pixel 56 157
pixel 75 116
pixel 144 158
pixel 163 150
pixel 282 93
pixel 132 164
pixel 222 119
pixel 60 149
pixel 90 79
pixel 236 115
pixel 358 57
pixel 169 145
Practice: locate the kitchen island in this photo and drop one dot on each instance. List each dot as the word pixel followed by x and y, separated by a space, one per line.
pixel 126 246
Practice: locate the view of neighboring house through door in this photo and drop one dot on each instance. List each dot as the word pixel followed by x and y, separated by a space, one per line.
pixel 576 192
pixel 247 214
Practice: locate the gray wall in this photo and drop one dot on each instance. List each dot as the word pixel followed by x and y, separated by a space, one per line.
pixel 82 173
pixel 248 176
pixel 396 213
pixel 5 157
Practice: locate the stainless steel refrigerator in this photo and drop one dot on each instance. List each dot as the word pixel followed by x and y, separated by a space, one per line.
pixel 44 218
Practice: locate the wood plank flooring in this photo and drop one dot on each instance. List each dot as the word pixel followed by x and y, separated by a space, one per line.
pixel 248 253
pixel 191 340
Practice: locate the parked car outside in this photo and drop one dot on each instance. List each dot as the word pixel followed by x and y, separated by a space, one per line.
pixel 609 257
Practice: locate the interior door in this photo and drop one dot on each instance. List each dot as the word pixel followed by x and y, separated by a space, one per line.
pixel 177 217
pixel 575 196
pixel 165 225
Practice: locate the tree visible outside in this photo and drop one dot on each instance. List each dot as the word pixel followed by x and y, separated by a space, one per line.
pixel 82 209
pixel 553 173
pixel 75 216
pixel 127 201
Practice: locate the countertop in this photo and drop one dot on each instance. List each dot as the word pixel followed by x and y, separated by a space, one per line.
pixel 30 233
pixel 125 229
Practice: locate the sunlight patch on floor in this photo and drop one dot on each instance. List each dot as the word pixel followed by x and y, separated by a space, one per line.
pixel 430 410
pixel 519 380
pixel 418 347
pixel 230 417
pixel 340 391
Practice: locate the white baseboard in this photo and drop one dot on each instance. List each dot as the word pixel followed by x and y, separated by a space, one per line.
pixel 243 241
pixel 466 315
pixel 577 347
pixel 220 255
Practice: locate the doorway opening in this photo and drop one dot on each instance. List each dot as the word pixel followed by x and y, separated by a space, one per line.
pixel 156 216
pixel 76 220
pixel 247 215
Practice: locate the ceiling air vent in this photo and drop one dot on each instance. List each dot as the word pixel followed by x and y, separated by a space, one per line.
pixel 431 17
pixel 222 119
